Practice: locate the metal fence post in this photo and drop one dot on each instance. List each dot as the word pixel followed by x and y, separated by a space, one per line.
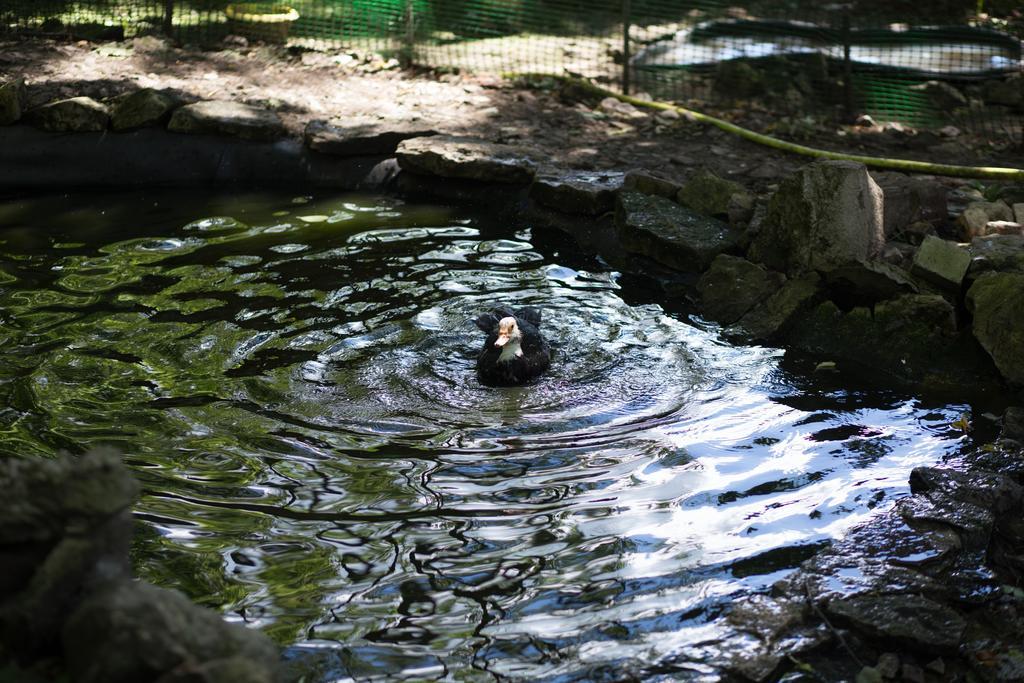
pixel 626 21
pixel 168 17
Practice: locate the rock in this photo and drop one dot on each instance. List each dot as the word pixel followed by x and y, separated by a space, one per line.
pixel 1002 228
pixel 1018 212
pixel 1008 92
pixel 911 673
pixel 868 282
pixel 12 101
pixel 146 107
pixel 132 631
pixel 732 286
pixel 362 136
pixel 825 215
pixel 869 674
pixel 908 200
pixel 236 669
pixel 973 221
pixel 646 182
pixel 709 194
pixel 55 547
pixel 218 117
pixel 577 192
pixel 1013 423
pixel 937 666
pixel 78 114
pixel 776 314
pixel 916 232
pixel 972 523
pixel 741 209
pixel 888 664
pixel 466 158
pixel 737 79
pixel 988 490
pixel 942 263
pixel 996 300
pixel 1001 253
pixel 670 234
pixel 910 620
pixel 942 95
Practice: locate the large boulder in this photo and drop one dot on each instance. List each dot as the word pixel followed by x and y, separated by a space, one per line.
pixel 66 527
pixel 145 107
pixel 670 234
pixel 218 117
pixel 74 115
pixel 466 158
pixel 997 302
pixel 578 192
pixel 732 286
pixel 12 101
pixel 825 215
pixel 362 135
pixel 131 631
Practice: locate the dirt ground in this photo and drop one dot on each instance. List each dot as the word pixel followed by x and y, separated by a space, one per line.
pixel 303 85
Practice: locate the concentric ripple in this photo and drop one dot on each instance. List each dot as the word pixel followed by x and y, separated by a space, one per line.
pixel 293 381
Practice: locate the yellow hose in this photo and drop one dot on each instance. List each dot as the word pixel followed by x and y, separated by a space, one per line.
pixel 991 172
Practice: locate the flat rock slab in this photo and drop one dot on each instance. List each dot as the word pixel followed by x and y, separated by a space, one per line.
pixel 227 118
pixel 12 101
pixel 467 159
pixel 577 192
pixel 942 263
pixel 776 314
pixel 671 234
pixel 77 114
pixel 146 107
pixel 361 135
pixel 870 281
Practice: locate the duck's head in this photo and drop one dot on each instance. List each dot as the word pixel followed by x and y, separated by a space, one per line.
pixel 508 331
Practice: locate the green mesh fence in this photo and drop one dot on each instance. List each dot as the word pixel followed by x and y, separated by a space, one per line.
pixel 944 62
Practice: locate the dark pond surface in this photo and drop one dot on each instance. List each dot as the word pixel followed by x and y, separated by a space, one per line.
pixel 292 381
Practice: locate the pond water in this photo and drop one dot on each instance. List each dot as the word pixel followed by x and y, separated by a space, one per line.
pixel 291 378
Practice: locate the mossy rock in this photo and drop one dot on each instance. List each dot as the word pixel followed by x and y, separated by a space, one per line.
pixel 146 107
pixel 74 115
pixel 997 302
pixel 12 101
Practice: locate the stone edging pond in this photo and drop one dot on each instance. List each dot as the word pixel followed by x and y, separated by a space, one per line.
pixel 854 268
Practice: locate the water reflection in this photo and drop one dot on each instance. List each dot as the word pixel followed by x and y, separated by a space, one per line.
pixel 292 380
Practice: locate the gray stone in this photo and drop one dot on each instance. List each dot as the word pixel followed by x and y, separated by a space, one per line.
pixel 1008 92
pixel 888 664
pixel 916 232
pixel 131 631
pixel 825 215
pixel 362 135
pixel 972 523
pixel 910 620
pixel 237 669
pixel 646 182
pixel 77 114
pixel 589 193
pixel 1018 212
pixel 869 674
pixel 942 95
pixel 911 673
pixel 732 286
pixel 869 281
pixel 996 300
pixel 1003 228
pixel 777 313
pixel 973 221
pixel 466 158
pixel 942 263
pixel 55 547
pixel 1013 423
pixel 709 194
pixel 670 234
pixel 12 101
pixel 146 107
pixel 1000 253
pixel 909 200
pixel 218 117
